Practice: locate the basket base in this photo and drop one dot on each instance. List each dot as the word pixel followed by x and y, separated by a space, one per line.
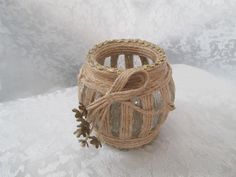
pixel 134 143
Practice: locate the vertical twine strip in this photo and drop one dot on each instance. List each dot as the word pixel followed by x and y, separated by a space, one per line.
pixel 157 105
pixel 126 122
pixel 83 94
pixel 147 102
pixel 137 117
pixel 106 125
pixel 114 61
pixel 129 61
pixel 80 91
pixel 144 60
pixel 89 95
pixel 102 61
pixel 172 89
pixel 166 98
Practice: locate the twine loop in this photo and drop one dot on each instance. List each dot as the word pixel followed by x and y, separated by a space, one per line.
pixel 120 91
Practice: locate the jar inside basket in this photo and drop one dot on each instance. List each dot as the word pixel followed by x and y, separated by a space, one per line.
pixel 128 91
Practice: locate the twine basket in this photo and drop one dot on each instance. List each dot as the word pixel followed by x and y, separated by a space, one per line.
pixel 128 98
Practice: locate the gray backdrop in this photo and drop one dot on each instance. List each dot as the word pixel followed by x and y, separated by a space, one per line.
pixel 43 43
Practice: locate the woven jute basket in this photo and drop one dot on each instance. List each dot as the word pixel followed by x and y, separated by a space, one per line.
pixel 128 90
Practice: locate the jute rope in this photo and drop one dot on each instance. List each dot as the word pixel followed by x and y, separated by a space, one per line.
pixel 122 85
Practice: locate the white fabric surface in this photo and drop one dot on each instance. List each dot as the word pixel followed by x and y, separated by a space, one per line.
pixel 197 140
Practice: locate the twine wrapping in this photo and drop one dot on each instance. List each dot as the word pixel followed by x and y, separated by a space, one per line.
pixel 121 86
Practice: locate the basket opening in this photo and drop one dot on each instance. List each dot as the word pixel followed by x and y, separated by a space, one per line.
pixel 125 61
pixel 124 57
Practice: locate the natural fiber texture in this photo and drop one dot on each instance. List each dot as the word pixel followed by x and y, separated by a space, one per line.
pixel 121 103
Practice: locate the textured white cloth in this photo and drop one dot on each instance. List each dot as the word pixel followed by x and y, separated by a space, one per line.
pixel 197 140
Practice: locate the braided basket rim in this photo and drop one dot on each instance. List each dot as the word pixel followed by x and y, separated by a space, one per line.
pixel 160 56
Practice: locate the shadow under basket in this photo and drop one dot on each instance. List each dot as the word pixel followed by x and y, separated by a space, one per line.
pixel 132 81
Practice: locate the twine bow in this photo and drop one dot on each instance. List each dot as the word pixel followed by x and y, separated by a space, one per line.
pixel 120 91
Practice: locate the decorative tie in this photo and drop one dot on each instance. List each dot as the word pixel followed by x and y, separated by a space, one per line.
pixel 118 92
